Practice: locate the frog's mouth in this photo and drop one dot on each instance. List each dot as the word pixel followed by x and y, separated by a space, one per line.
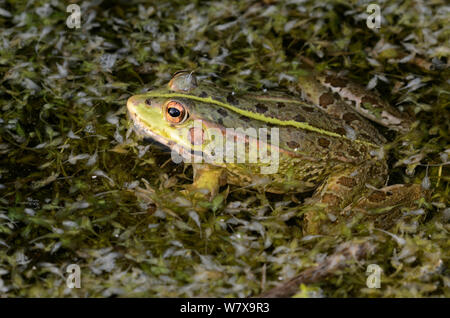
pixel 142 129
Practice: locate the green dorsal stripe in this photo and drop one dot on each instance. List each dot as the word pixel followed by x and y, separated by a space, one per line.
pixel 257 116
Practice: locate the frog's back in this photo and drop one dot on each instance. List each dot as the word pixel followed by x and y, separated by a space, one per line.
pixel 304 129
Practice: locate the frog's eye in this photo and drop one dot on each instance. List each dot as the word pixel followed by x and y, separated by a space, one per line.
pixel 176 112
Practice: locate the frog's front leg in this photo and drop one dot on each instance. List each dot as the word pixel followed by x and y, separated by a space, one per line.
pixel 207 180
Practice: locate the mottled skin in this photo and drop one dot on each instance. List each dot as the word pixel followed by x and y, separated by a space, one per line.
pixel 336 153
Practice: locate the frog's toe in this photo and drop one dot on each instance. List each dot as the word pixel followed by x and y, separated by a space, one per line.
pixel 197 194
pixel 397 194
pixel 315 217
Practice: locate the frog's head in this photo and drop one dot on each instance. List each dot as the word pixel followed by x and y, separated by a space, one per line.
pixel 179 116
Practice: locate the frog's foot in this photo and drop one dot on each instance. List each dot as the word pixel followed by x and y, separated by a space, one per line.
pixel 331 104
pixel 397 194
pixel 207 181
pixel 383 206
pixel 336 193
pixel 368 104
pixel 196 194
pixel 340 189
pixel 330 92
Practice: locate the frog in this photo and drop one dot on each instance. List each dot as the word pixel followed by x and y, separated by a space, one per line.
pixel 322 137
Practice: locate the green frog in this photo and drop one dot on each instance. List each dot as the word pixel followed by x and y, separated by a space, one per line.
pixel 320 139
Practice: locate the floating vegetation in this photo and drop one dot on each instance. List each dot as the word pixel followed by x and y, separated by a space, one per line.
pixel 78 187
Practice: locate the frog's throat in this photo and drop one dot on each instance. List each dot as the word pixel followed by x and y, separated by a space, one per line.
pixel 246 113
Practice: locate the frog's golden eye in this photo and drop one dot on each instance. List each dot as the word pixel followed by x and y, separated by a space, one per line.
pixel 176 112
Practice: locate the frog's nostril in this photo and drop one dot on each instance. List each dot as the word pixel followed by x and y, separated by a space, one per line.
pixel 132 102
